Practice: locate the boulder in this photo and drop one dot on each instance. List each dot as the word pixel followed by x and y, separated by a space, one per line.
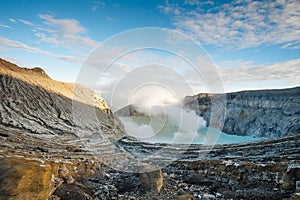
pixel 184 196
pixel 23 179
pixel 151 178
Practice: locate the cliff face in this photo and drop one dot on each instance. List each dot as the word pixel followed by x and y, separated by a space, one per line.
pixel 264 113
pixel 33 102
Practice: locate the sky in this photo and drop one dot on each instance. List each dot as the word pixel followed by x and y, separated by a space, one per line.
pixel 253 44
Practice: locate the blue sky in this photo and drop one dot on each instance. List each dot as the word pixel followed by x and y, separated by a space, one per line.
pixel 254 44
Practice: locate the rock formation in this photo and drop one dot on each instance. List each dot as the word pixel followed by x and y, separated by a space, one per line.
pixel 33 102
pixel 262 113
pixel 151 178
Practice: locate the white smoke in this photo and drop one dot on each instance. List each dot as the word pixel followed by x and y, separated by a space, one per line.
pixel 138 131
pixel 158 103
pixel 156 91
pixel 187 124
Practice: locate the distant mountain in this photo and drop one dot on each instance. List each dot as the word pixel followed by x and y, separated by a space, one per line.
pixel 129 110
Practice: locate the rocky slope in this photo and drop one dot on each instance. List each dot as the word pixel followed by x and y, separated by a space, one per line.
pixel 263 113
pixel 33 102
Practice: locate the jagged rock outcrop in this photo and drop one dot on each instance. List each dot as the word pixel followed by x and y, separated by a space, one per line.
pixel 263 113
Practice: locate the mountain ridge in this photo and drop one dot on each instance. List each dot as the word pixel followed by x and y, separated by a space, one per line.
pixel 38 77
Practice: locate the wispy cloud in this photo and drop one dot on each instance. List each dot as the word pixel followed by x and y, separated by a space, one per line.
pixel 291 45
pixel 26 22
pixel 12 20
pixel 97 4
pixel 238 24
pixel 11 44
pixel 234 72
pixel 4 26
pixel 6 44
pixel 44 38
pixel 66 32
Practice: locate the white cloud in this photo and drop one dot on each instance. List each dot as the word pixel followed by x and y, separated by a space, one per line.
pixel 110 18
pixel 12 20
pixel 66 26
pixel 291 45
pixel 6 44
pixel 97 4
pixel 61 32
pixel 11 44
pixel 235 72
pixel 68 58
pixel 26 22
pixel 44 38
pixel 66 32
pixel 239 24
pixel 4 26
pixel 58 32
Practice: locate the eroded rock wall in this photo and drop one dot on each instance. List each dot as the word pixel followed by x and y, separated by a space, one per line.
pixel 264 113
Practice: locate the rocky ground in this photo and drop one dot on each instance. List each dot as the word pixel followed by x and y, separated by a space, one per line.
pixel 259 170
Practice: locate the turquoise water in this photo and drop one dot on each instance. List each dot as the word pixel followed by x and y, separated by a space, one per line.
pixel 159 130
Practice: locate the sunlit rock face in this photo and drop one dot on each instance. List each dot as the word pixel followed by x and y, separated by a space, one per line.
pixel 263 113
pixel 21 179
pixel 33 102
